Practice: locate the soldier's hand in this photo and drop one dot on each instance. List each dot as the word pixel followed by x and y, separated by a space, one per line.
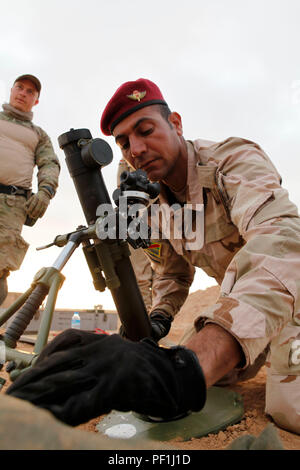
pixel 160 325
pixel 82 375
pixel 37 204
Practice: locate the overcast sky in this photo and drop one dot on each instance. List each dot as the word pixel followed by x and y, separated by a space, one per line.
pixel 230 68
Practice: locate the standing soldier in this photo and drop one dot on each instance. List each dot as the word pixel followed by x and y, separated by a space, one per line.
pixel 23 145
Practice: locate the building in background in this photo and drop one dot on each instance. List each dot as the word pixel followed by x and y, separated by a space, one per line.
pixel 94 320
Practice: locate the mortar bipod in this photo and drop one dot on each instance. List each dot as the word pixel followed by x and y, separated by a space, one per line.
pixel 101 258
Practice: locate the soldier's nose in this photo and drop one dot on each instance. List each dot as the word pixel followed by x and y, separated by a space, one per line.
pixel 137 148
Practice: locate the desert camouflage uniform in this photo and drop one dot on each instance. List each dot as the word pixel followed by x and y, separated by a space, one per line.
pixel 252 249
pixel 140 263
pixel 20 137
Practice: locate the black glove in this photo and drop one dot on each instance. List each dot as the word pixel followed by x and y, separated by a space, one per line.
pixel 82 375
pixel 161 324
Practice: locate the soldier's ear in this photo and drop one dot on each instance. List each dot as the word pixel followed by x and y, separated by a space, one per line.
pixel 175 120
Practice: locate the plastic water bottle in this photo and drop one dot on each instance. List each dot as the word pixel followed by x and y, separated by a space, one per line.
pixel 75 322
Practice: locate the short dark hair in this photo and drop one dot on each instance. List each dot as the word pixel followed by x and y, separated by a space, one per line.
pixel 164 111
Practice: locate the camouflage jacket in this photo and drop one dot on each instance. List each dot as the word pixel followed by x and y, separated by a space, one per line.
pixel 43 155
pixel 251 244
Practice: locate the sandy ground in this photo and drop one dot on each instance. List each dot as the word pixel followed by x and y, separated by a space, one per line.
pixel 252 391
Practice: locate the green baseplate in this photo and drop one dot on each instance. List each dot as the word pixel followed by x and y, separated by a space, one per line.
pixel 223 408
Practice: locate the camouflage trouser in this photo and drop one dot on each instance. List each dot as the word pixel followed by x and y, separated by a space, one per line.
pixel 12 245
pixel 282 361
pixel 144 274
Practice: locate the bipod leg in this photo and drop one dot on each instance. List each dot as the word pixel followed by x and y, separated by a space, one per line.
pixel 24 316
pixel 46 282
pixel 19 360
pixel 9 312
pixel 56 284
pixel 44 329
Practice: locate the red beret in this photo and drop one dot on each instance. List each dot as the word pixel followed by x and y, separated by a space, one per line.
pixel 128 98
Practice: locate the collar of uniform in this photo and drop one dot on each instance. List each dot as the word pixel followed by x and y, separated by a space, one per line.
pixel 194 195
pixel 194 191
pixel 16 113
pixel 194 188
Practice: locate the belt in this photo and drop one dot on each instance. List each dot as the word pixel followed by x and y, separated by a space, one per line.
pixel 14 190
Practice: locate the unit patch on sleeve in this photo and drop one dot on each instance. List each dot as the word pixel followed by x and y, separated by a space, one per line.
pixel 154 252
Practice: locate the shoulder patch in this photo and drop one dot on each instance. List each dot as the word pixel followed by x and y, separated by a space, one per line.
pixel 154 251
